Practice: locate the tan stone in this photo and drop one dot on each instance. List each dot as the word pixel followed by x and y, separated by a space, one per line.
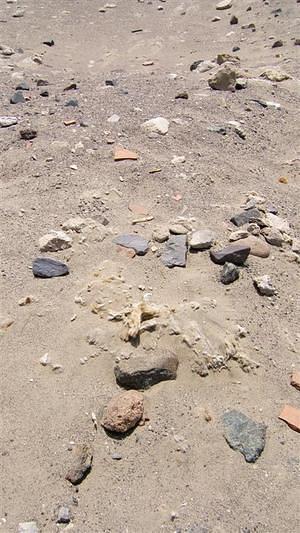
pixel 258 247
pixel 123 412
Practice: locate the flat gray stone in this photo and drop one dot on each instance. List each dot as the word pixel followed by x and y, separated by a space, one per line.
pixel 234 253
pixel 44 267
pixel 131 240
pixel 174 253
pixel 17 98
pixel 247 216
pixel 244 435
pixel 143 371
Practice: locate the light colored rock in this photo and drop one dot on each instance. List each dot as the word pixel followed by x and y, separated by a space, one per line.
pixel 177 159
pixel 273 236
pixel 224 4
pixel 223 80
pixel 28 527
pixel 276 222
pixel 274 75
pixel 258 247
pixel 205 66
pixel 113 119
pixel 238 235
pixel 296 246
pixel 75 224
pixel 6 122
pixel 178 229
pixel 160 234
pixel 55 241
pixel 202 239
pixel 123 412
pixel 264 285
pixel 156 125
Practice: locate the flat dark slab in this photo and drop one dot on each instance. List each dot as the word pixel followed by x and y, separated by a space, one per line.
pixel 44 267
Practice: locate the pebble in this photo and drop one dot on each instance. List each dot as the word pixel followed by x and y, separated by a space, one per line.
pixel 274 75
pixel 182 96
pixel 178 229
pixel 123 412
pixel 19 13
pixel 249 215
pixel 63 515
pixel 229 274
pixel 244 435
pixel 273 236
pixel 44 360
pixel 238 235
pixel 160 234
pixel 82 458
pixel 223 80
pixel 258 247
pixel 202 66
pixel 113 119
pixel 28 134
pixel 55 241
pixel 6 122
pixel 117 457
pixel 70 103
pixel 44 267
pixel 143 371
pixel 178 159
pixel 253 228
pixel 277 44
pixel 28 527
pixel 156 125
pixel 295 380
pixel 202 239
pixel 276 222
pixel 296 246
pixel 234 253
pixel 17 98
pixel 23 86
pixel 133 241
pixel 224 4
pixel 264 286
pixel 175 251
pixel 291 416
pixel 75 224
pixel 234 20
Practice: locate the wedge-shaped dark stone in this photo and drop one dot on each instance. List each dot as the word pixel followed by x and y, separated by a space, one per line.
pixel 234 253
pixel 143 371
pixel 44 267
pixel 244 435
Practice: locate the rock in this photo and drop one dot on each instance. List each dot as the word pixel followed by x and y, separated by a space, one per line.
pixel 277 44
pixel 223 58
pixel 258 247
pixel 178 159
pixel 44 267
pixel 244 435
pixel 202 66
pixel 143 371
pixel 7 51
pixel 264 286
pixel 253 228
pixel 55 241
pixel 123 412
pixel 121 154
pixel 234 253
pixel 75 224
pixel 238 235
pixel 71 103
pixel 175 252
pixel 234 20
pixel 42 83
pixel 44 93
pixel 28 134
pixel 63 515
pixel 131 240
pixel 274 221
pixel 216 19
pixel 224 4
pixel 295 380
pixel 23 86
pixel 202 239
pixel 291 416
pixel 17 98
pixel 274 75
pixel 183 95
pixel 156 125
pixel 249 215
pixel 223 80
pixel 229 274
pixel 273 236
pixel 296 246
pixel 178 229
pixel 6 122
pixel 241 83
pixel 28 527
pixel 267 104
pixel 113 119
pixel 160 234
pixel 19 13
pixel 49 42
pixel 82 458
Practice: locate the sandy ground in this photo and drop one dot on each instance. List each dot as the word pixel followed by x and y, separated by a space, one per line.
pixel 177 473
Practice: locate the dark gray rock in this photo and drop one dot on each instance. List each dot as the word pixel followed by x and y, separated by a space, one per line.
pixel 49 42
pixel 234 20
pixel 82 458
pixel 17 98
pixel 244 435
pixel 44 267
pixel 277 44
pixel 229 274
pixel 72 103
pixel 131 240
pixel 23 86
pixel 71 87
pixel 143 371
pixel 42 83
pixel 174 253
pixel 234 253
pixel 45 93
pixel 28 134
pixel 63 515
pixel 249 215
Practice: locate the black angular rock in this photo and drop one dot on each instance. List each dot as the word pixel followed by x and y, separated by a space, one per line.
pixel 196 64
pixel 175 251
pixel 28 134
pixel 70 87
pixel 229 274
pixel 110 83
pixel 49 42
pixel 277 44
pixel 234 20
pixel 17 98
pixel 42 83
pixel 234 253
pixel 249 215
pixel 244 435
pixel 143 371
pixel 44 267
pixel 45 94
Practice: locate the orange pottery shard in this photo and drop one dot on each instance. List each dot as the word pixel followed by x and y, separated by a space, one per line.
pixel 121 154
pixel 291 416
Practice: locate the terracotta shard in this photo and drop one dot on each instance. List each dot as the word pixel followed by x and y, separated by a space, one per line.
pixel 291 416
pixel 121 154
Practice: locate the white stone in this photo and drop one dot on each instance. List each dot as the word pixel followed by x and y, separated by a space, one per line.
pixel 224 4
pixel 75 224
pixel 113 119
pixel 6 122
pixel 178 159
pixel 202 239
pixel 156 125
pixel 264 285
pixel 28 527
pixel 55 241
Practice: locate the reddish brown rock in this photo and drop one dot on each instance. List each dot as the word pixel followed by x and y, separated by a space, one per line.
pixel 123 412
pixel 291 416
